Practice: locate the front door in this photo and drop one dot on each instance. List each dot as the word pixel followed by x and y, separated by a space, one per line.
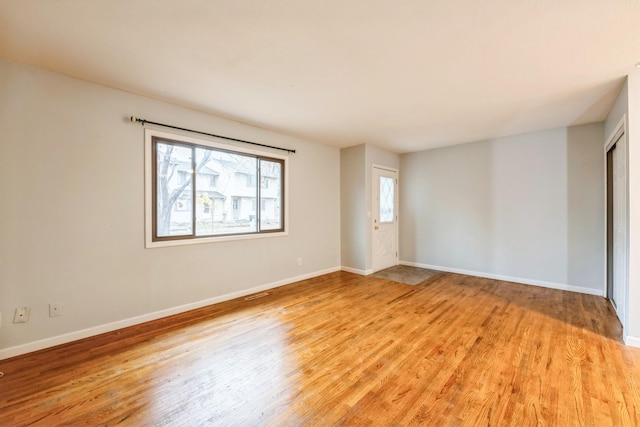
pixel 385 218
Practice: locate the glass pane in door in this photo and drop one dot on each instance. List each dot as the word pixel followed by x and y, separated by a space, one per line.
pixel 387 199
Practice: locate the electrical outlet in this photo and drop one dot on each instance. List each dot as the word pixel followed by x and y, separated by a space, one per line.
pixel 21 315
pixel 299 261
pixel 55 310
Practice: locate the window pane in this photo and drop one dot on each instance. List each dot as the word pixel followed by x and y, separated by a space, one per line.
pixel 387 199
pixel 270 195
pixel 209 191
pixel 226 193
pixel 174 196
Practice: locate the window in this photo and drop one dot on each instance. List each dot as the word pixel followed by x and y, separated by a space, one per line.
pixel 204 191
pixel 387 199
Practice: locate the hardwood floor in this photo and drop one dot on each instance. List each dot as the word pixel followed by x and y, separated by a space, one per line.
pixel 343 349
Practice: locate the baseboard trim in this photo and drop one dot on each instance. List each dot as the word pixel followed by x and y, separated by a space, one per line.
pixel 356 271
pixel 632 341
pixel 552 285
pixel 120 324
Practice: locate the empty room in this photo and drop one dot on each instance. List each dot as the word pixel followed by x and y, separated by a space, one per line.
pixel 294 213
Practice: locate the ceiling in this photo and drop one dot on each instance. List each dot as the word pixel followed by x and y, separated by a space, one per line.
pixel 404 75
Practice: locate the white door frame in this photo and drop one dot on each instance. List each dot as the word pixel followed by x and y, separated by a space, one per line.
pixel 374 214
pixel 619 133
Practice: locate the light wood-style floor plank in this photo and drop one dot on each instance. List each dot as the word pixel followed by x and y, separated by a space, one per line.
pixel 343 349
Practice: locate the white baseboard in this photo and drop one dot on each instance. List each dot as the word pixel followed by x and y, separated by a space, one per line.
pixel 632 341
pixel 552 285
pixel 120 324
pixel 357 271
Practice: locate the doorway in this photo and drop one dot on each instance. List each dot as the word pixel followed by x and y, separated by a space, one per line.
pixel 617 221
pixel 384 235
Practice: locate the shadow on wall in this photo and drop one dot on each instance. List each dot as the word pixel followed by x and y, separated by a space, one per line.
pixel 528 207
pixel 446 207
pixel 585 206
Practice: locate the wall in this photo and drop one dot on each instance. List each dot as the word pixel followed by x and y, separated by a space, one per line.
pixel 352 206
pixel 619 108
pixel 379 157
pixel 356 164
pixel 628 103
pixel 72 215
pixel 633 327
pixel 527 208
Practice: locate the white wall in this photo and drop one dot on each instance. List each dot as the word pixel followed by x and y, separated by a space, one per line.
pixel 72 216
pixel 527 208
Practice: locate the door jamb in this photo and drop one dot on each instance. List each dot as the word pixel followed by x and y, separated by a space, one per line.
pixel 619 130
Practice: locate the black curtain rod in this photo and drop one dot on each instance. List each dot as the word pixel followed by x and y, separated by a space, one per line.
pixel 143 122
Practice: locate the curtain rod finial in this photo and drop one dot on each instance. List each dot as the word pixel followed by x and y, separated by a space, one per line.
pixel 135 119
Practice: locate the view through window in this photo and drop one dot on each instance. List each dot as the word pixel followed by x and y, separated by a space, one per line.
pixel 203 191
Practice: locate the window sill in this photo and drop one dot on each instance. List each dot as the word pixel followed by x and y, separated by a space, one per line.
pixel 166 243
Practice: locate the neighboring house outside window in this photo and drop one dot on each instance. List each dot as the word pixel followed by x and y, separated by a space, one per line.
pixel 223 201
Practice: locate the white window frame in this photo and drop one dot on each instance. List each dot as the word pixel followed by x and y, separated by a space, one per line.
pixel 149 135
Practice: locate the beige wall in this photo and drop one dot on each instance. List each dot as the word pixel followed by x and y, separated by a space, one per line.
pixel 72 213
pixel 527 208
